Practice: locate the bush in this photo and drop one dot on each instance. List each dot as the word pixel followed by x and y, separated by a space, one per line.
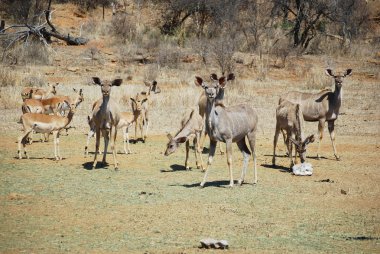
pixel 169 56
pixel 7 78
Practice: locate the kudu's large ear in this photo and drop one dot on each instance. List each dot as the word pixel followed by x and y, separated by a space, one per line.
pixel 309 139
pixel 294 141
pixel 329 72
pixel 154 83
pixel 348 72
pixel 222 82
pixel 96 80
pixel 230 76
pixel 117 82
pixel 181 140
pixel 214 77
pixel 199 81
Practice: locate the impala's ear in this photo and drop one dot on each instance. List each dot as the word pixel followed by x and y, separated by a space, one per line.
pixel 56 84
pixel 170 137
pixel 75 90
pixel 154 83
pixel 117 82
pixel 222 82
pixel 294 141
pixel 329 72
pixel 96 80
pixel 81 91
pixel 132 99
pixel 144 100
pixel 214 77
pixel 230 76
pixel 199 81
pixel 348 72
pixel 181 140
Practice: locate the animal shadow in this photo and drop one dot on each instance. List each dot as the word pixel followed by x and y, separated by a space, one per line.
pixel 88 165
pixel 174 168
pixel 218 184
pixel 277 167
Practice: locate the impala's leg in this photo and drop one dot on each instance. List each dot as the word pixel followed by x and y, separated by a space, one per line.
pixel 229 160
pixel 332 137
pixel 89 136
pixel 113 148
pixel 252 144
pixel 275 139
pixel 57 155
pixel 246 153
pixel 187 155
pixel 23 140
pixel 106 136
pixel 96 147
pixel 321 126
pixel 210 158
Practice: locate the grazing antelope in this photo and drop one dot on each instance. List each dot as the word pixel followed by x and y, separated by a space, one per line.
pixel 229 125
pixel 106 116
pixel 138 103
pixel 126 120
pixel 41 123
pixel 54 105
pixel 322 107
pixel 191 126
pixel 289 119
pixel 38 93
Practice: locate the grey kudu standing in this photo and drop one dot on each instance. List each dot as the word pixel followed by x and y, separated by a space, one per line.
pixel 323 106
pixel 229 125
pixel 106 116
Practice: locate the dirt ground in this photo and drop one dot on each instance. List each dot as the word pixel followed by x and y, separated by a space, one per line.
pixel 153 205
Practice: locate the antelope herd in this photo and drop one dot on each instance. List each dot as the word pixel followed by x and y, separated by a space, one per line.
pixel 45 112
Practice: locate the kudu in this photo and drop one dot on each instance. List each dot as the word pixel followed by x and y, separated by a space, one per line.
pixel 41 123
pixel 191 127
pixel 229 125
pixel 106 117
pixel 126 120
pixel 323 106
pixel 202 104
pixel 289 119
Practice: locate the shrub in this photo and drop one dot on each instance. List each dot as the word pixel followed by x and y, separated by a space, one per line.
pixel 7 78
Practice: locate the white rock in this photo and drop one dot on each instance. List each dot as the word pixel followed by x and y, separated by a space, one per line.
pixel 303 169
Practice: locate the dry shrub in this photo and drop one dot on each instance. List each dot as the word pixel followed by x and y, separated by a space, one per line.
pixel 168 56
pixel 316 79
pixel 7 78
pixel 33 81
pixel 151 72
pixel 123 27
pixel 32 52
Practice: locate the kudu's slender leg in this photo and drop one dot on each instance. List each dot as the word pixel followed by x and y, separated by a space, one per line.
pixel 275 139
pixel 106 136
pixel 246 153
pixel 229 161
pixel 187 155
pixel 252 144
pixel 90 134
pixel 96 147
pixel 332 137
pixel 113 135
pixel 210 158
pixel 321 126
